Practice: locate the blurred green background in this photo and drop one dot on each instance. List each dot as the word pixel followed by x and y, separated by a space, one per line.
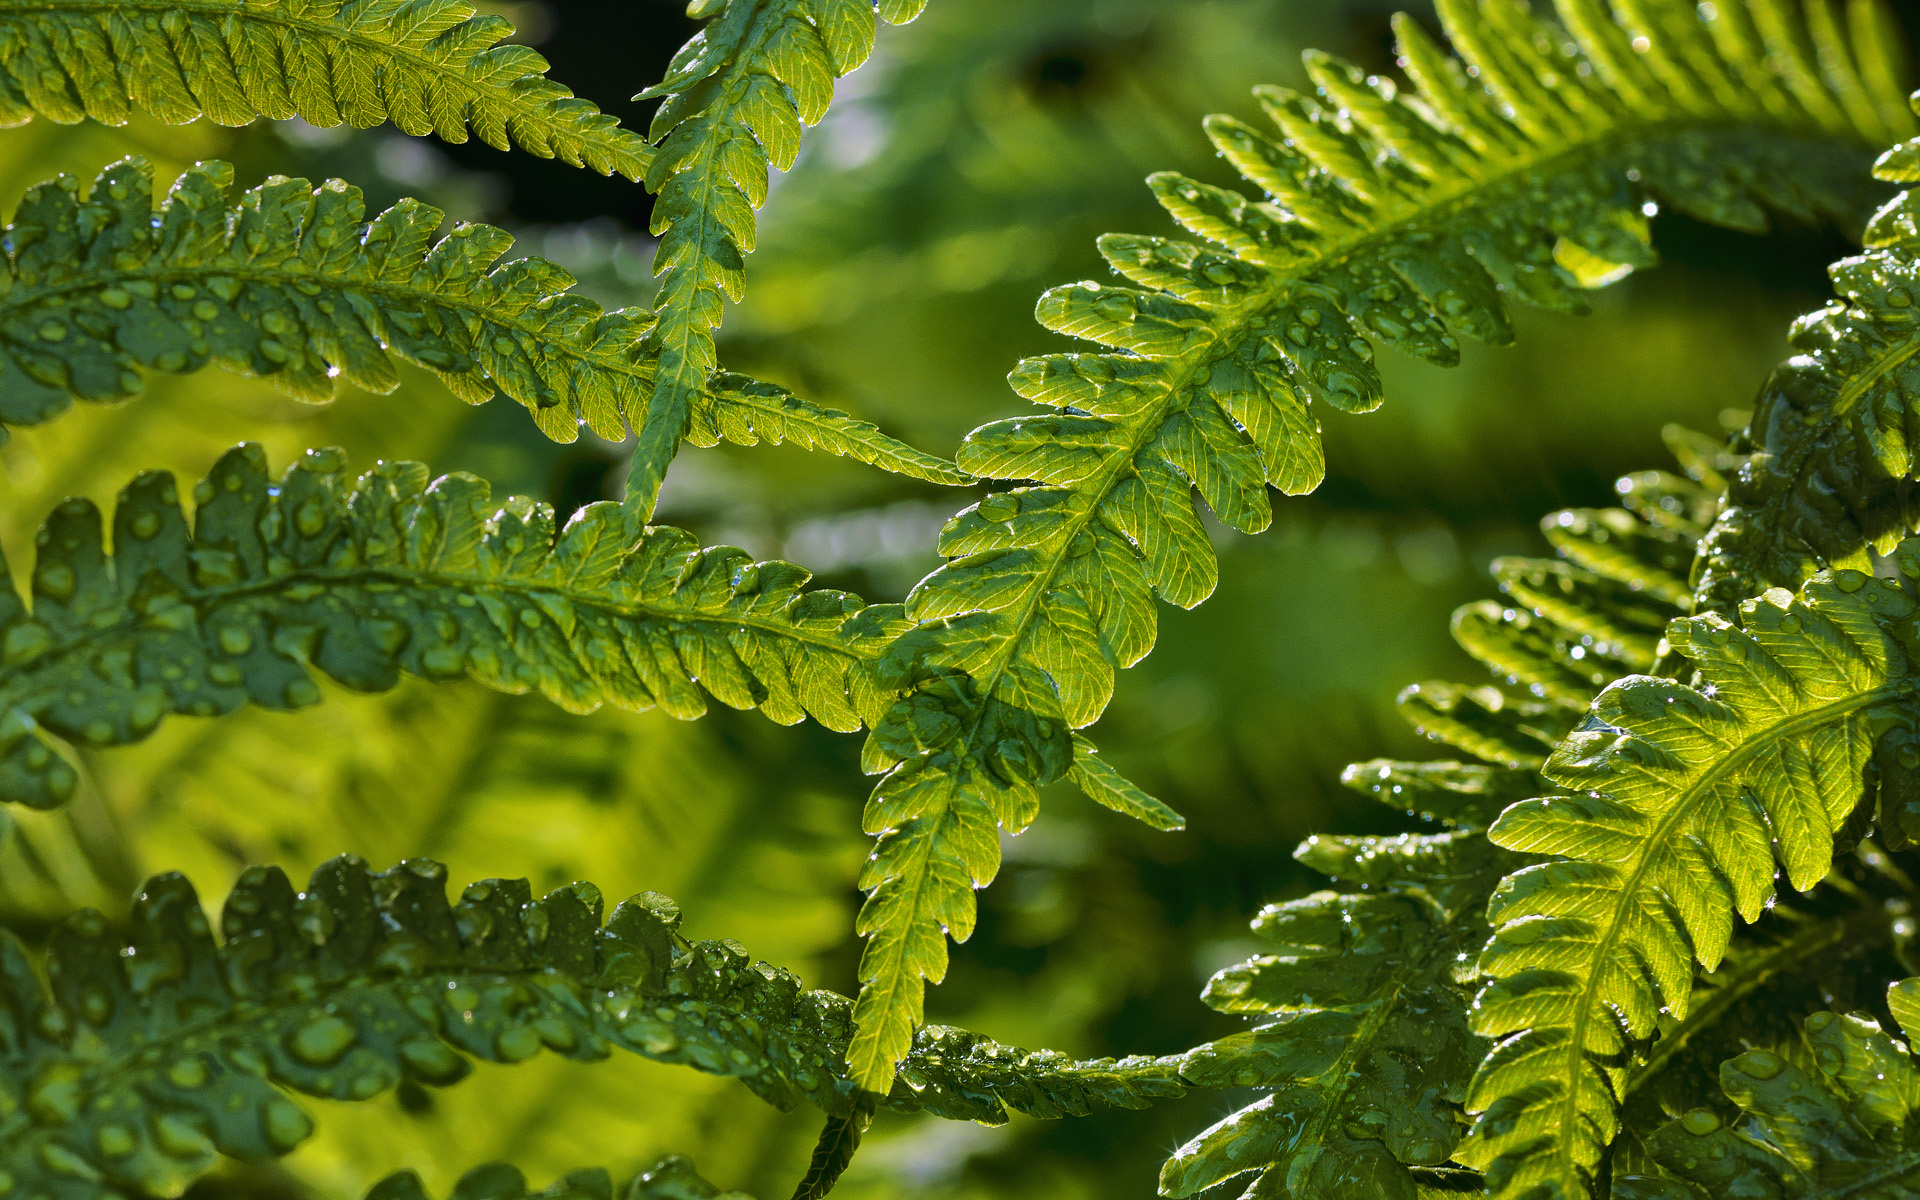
pixel 964 170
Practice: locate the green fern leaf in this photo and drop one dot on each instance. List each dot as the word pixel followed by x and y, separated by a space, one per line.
pixel 1364 1046
pixel 1407 221
pixel 429 66
pixel 733 104
pixel 364 579
pixel 1518 174
pixel 1830 447
pixel 1831 1113
pixel 1363 1043
pixel 671 1178
pixel 1683 800
pixel 145 1059
pixel 1834 948
pixel 294 284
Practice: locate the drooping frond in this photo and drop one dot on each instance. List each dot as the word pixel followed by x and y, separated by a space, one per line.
pixel 1683 801
pixel 1519 173
pixel 671 1178
pixel 135 1062
pixel 428 66
pixel 1364 1042
pixel 1830 1113
pixel 363 579
pixel 732 105
pixel 293 283
pixel 1830 449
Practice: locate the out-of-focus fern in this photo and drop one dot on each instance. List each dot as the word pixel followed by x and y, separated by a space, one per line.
pixel 732 105
pixel 293 283
pixel 1828 1114
pixel 671 1178
pixel 428 66
pixel 1363 1043
pixel 364 579
pixel 1829 451
pixel 1519 173
pixel 134 1063
pixel 1684 800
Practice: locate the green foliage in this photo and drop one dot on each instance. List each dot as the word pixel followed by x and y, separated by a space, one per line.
pixel 293 283
pixel 1363 1045
pixel 365 578
pixel 1685 798
pixel 1830 446
pixel 1828 1114
pixel 1596 852
pixel 134 1063
pixel 429 66
pixel 732 105
pixel 1517 173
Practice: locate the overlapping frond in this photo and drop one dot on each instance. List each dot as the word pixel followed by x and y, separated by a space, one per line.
pixel 1362 1046
pixel 295 284
pixel 1517 173
pixel 1830 449
pixel 1363 1041
pixel 363 579
pixel 733 104
pixel 1829 1113
pixel 135 1062
pixel 672 1178
pixel 428 66
pixel 1834 948
pixel 1684 801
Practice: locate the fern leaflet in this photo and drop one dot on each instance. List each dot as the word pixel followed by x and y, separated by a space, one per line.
pixel 144 1059
pixel 294 284
pixel 1518 174
pixel 429 66
pixel 733 104
pixel 1684 799
pixel 364 579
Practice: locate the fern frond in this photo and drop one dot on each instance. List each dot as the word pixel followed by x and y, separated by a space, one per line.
pixel 1829 1113
pixel 1683 800
pixel 1362 1046
pixel 365 579
pixel 429 66
pixel 294 284
pixel 146 1058
pixel 1365 1042
pixel 1519 173
pixel 1834 948
pixel 672 1178
pixel 1830 446
pixel 1409 219
pixel 733 104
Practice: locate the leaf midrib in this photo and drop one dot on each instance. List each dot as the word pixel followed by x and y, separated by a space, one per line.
pixel 1586 1001
pixel 342 33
